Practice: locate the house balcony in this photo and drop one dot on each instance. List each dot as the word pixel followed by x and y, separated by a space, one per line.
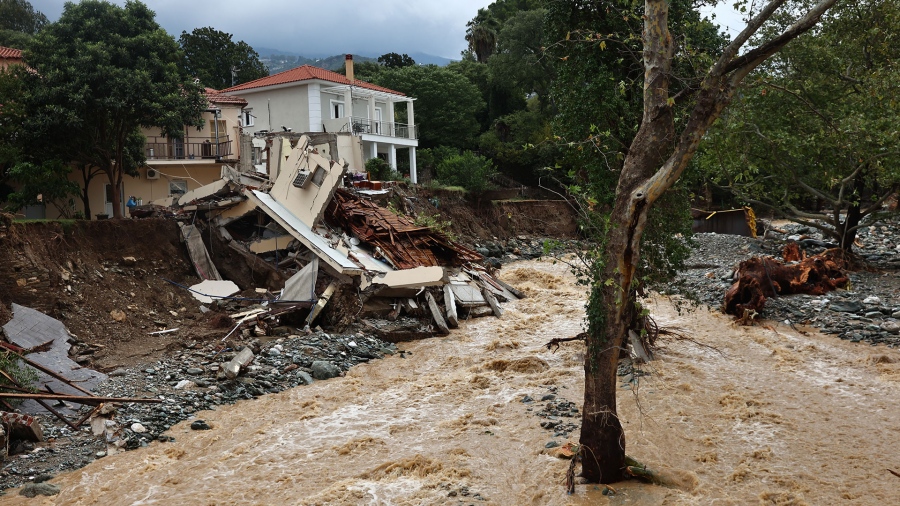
pixel 189 148
pixel 365 126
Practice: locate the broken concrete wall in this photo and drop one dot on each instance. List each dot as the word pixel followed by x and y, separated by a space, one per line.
pixel 306 180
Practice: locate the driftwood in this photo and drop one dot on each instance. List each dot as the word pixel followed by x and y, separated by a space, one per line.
pixel 78 399
pixel 761 278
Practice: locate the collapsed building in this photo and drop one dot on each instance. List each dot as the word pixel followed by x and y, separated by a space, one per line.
pixel 312 234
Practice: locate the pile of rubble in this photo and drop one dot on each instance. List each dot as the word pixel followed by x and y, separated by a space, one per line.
pixel 300 244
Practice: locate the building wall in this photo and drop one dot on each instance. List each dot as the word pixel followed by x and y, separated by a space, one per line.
pixel 289 107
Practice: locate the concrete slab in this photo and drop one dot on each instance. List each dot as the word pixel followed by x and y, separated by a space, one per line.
pixel 29 328
pixel 302 286
pixel 303 233
pixel 271 244
pixel 214 289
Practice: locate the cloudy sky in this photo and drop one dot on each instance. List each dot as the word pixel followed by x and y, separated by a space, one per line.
pixel 365 27
pixel 313 29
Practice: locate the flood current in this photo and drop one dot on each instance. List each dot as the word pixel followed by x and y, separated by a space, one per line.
pixel 732 415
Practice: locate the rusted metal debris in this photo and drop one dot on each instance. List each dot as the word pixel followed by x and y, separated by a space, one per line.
pixel 761 278
pixel 404 244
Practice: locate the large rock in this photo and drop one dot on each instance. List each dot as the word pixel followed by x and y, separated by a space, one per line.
pixel 322 370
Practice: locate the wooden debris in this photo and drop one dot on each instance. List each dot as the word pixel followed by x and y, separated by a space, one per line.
pixel 760 278
pixel 492 301
pixel 436 314
pixel 78 399
pixel 450 306
pixel 637 348
pixel 791 252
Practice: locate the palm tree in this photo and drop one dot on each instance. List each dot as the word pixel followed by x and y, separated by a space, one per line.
pixel 481 35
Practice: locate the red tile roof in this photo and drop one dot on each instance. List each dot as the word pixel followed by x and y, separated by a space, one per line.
pixel 306 73
pixel 217 97
pixel 9 53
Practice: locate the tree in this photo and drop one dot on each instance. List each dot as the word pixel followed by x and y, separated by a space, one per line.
pixel 19 22
pixel 466 169
pixel 816 126
pixel 656 158
pixel 481 34
pixel 396 61
pixel 101 73
pixel 211 56
pixel 446 103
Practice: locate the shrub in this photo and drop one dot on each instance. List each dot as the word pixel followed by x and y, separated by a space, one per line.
pixel 379 170
pixel 468 170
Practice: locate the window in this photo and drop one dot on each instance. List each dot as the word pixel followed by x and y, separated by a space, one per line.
pixel 177 187
pixel 337 109
pixel 247 117
pixel 318 176
pixel 256 156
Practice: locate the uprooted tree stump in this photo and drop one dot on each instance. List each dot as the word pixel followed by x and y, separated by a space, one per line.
pixel 761 278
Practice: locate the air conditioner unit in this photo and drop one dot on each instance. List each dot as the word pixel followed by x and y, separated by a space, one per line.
pixel 152 174
pixel 302 178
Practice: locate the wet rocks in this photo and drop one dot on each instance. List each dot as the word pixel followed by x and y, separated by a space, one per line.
pixel 868 311
pixel 322 370
pixel 189 381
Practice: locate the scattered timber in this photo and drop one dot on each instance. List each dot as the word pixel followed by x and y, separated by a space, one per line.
pixel 436 314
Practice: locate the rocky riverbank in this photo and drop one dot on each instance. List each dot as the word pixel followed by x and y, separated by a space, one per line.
pixel 867 311
pixel 189 380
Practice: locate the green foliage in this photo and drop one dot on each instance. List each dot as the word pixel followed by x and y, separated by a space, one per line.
pixel 24 375
pixel 446 103
pixel 46 183
pixel 20 16
pixel 395 61
pixel 380 170
pixel 817 125
pixel 219 62
pixel 468 170
pixel 101 73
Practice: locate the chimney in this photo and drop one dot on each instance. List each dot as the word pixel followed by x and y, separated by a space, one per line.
pixel 348 66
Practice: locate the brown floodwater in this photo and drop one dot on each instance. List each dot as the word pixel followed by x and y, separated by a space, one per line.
pixel 735 415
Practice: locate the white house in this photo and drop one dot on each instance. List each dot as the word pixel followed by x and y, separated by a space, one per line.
pixel 311 99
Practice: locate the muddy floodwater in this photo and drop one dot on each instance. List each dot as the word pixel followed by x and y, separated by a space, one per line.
pixel 743 415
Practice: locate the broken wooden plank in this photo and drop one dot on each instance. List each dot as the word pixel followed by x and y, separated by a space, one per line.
pixel 436 314
pixel 450 306
pixel 78 399
pixel 637 347
pixel 323 300
pixel 492 301
pixel 242 359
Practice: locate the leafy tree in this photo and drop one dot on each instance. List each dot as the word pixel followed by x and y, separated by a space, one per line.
pixel 43 184
pixel 481 34
pixel 520 62
pixel 446 103
pixel 671 128
pixel 219 62
pixel 468 170
pixel 101 73
pixel 19 22
pixel 396 61
pixel 817 126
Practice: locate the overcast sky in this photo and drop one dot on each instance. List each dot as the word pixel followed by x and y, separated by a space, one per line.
pixel 312 29
pixel 324 28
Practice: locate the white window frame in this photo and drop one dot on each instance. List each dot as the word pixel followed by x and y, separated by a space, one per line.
pixel 377 120
pixel 180 184
pixel 333 106
pixel 247 117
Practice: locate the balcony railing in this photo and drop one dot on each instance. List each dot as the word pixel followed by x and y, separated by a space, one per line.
pixel 162 148
pixel 360 126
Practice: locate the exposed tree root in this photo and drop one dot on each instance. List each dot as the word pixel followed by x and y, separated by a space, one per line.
pixel 553 345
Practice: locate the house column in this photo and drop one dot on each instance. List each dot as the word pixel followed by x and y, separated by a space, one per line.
pixel 413 177
pixel 412 123
pixel 348 103
pixel 374 150
pixel 373 129
pixel 390 119
pixel 392 157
